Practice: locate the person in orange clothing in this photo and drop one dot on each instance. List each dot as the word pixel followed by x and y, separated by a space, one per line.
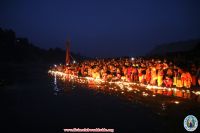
pixel 148 75
pixel 175 75
pixel 179 82
pixel 140 75
pixel 135 74
pixel 129 72
pixel 118 73
pixel 168 81
pixel 160 77
pixel 193 74
pixel 198 75
pixel 153 76
pixel 183 77
pixel 168 78
pixel 143 71
pixel 188 80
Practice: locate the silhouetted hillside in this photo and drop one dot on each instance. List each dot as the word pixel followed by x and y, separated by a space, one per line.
pixel 181 46
pixel 20 50
pixel 181 53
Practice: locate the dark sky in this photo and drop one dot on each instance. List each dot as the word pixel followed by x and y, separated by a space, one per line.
pixel 102 27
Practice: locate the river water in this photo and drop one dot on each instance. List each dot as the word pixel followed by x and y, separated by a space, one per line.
pixel 35 103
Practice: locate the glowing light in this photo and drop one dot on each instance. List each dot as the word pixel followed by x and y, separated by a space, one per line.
pixel 197 92
pixel 145 94
pixel 129 89
pixel 163 106
pixel 176 102
pixel 121 84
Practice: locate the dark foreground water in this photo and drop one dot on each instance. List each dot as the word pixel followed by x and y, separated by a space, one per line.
pixel 31 104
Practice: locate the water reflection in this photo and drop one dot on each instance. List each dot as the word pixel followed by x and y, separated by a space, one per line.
pixel 56 89
pixel 146 95
pixel 163 107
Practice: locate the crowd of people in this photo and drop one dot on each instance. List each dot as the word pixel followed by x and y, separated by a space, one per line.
pixel 147 71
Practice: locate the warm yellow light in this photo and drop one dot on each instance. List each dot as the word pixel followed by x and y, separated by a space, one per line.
pixel 176 102
pixel 123 85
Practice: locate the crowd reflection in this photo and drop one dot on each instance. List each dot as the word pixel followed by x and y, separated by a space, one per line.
pixel 129 90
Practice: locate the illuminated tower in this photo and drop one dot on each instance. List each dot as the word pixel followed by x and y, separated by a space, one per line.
pixel 68 52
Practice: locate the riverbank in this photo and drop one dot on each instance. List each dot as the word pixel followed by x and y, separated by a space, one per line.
pixel 31 104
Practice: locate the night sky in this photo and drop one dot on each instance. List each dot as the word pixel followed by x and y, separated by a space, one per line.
pixel 102 27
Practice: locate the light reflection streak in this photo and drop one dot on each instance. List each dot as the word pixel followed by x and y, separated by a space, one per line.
pixel 55 85
pixel 163 106
pixel 125 86
pixel 176 102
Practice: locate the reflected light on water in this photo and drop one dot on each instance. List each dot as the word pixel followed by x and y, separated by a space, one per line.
pixel 176 102
pixel 56 89
pixel 125 88
pixel 163 107
pixel 55 84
